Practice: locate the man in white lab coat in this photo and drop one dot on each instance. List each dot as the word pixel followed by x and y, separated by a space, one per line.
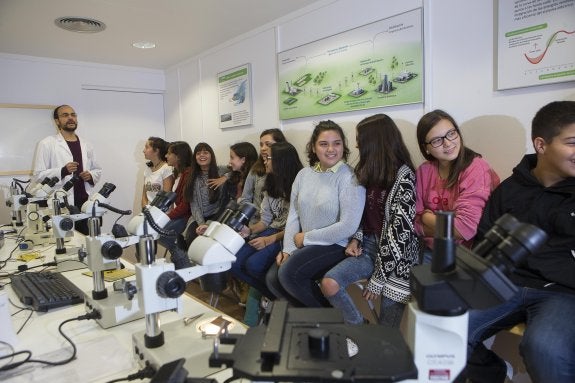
pixel 64 155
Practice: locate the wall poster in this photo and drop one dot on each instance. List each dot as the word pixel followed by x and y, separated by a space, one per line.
pixel 235 97
pixel 535 42
pixel 375 65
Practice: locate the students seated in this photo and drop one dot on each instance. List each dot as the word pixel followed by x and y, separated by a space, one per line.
pixel 541 191
pixel 158 175
pixel 205 203
pixel 454 178
pixel 179 157
pixel 386 246
pixel 323 215
pixel 255 258
pixel 252 190
pixel 243 156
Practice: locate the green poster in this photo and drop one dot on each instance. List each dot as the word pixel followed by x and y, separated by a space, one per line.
pixel 376 65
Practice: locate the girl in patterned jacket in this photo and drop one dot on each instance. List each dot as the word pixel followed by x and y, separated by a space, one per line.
pixel 385 247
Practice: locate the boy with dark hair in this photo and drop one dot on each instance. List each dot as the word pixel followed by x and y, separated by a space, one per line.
pixel 541 191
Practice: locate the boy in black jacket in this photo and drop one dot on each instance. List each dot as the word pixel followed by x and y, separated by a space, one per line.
pixel 541 191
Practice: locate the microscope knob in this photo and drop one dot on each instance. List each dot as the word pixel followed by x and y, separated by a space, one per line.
pixel 318 339
pixel 23 200
pixel 111 250
pixel 170 285
pixel 67 224
pixel 128 288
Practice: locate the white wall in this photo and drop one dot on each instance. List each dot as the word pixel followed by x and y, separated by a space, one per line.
pixel 122 108
pixel 459 72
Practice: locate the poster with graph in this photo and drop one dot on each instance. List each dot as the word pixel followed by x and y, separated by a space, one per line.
pixel 535 42
pixel 375 65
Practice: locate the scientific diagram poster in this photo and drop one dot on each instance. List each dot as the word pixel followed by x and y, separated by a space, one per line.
pixel 376 65
pixel 535 42
pixel 235 97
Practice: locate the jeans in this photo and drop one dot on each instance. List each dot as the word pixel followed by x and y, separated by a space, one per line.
pixel 300 273
pixel 391 312
pixel 548 343
pixel 348 271
pixel 251 265
pixel 275 287
pixel 178 225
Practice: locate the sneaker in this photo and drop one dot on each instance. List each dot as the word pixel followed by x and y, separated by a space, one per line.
pixel 265 303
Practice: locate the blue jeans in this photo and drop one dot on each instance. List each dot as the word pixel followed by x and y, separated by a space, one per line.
pixel 353 269
pixel 251 265
pixel 548 343
pixel 275 287
pixel 348 271
pixel 300 273
pixel 178 225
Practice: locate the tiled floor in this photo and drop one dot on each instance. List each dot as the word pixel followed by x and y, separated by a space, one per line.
pixel 226 302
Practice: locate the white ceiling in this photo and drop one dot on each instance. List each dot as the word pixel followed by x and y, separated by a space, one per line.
pixel 180 28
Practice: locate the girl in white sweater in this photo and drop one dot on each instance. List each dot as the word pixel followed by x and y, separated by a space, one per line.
pixel 325 210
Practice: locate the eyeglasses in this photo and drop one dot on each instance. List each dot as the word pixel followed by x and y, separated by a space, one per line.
pixel 438 141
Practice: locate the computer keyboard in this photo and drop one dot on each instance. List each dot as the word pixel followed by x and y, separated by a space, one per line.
pixel 45 290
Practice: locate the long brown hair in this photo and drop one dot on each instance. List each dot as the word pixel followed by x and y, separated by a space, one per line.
pixel 285 166
pixel 465 156
pixel 259 166
pixel 249 153
pixel 183 151
pixel 197 171
pixel 381 152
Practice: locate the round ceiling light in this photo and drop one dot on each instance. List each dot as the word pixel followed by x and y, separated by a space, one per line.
pixel 80 24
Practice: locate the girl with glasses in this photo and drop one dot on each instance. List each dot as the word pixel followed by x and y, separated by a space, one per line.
pixel 255 258
pixel 454 178
pixel 253 185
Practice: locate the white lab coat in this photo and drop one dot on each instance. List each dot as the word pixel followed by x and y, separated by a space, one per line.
pixel 53 153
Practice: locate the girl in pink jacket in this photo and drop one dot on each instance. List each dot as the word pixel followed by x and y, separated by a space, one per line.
pixel 454 178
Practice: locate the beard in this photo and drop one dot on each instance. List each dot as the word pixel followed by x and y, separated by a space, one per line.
pixel 69 127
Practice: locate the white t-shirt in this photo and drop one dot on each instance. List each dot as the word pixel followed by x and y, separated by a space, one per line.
pixel 154 181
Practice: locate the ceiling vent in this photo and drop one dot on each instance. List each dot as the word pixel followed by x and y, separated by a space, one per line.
pixel 80 24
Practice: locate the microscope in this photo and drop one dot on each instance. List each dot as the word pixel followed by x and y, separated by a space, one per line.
pixel 314 345
pixel 160 286
pixel 64 218
pixel 30 209
pixel 103 252
pixel 16 202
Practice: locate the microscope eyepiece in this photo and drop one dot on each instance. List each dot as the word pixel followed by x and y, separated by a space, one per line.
pixel 107 189
pixel 163 200
pixel 70 183
pixel 512 251
pixel 241 217
pixel 502 227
